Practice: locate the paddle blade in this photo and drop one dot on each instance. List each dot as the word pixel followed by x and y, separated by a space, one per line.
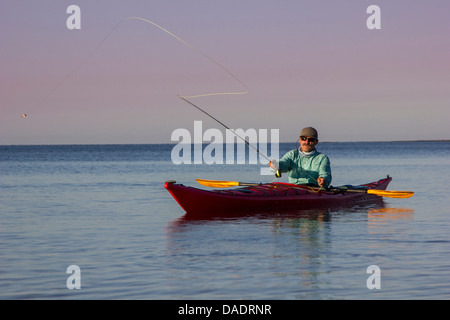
pixel 391 194
pixel 217 183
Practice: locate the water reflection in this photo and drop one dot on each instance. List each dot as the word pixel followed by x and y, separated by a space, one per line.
pixel 380 221
pixel 376 211
pixel 289 249
pixel 390 214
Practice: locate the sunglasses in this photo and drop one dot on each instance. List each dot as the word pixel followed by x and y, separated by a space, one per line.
pixel 308 139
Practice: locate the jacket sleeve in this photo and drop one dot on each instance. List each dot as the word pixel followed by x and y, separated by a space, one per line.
pixel 285 164
pixel 325 170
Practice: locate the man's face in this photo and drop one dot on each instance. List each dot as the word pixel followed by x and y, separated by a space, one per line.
pixel 307 144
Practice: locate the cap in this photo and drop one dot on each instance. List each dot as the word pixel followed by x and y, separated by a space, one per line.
pixel 309 132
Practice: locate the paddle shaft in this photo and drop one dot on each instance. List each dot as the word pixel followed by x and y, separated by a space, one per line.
pixel 382 193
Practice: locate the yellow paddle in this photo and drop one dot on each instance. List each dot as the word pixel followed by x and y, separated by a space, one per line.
pixel 390 193
pixel 381 193
pixel 224 184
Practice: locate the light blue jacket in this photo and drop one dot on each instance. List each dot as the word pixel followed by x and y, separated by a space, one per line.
pixel 306 169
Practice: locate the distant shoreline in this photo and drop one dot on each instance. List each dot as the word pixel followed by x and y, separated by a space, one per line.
pixel 174 143
pixel 440 140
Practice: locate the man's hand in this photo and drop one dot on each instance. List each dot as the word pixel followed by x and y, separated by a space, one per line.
pixel 321 182
pixel 274 164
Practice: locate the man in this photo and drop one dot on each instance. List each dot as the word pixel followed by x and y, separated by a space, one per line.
pixel 306 165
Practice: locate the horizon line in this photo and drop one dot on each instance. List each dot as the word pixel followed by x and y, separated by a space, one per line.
pixel 237 142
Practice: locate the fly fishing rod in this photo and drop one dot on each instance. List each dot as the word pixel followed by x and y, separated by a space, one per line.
pixel 277 173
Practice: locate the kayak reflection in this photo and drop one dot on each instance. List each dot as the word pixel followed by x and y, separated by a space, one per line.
pixel 376 211
pixel 317 213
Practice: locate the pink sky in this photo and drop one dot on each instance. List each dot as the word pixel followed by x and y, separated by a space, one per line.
pixel 305 63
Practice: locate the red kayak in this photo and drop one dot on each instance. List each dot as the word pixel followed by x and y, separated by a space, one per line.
pixel 269 196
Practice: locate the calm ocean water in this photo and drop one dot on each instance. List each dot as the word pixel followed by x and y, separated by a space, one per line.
pixel 104 208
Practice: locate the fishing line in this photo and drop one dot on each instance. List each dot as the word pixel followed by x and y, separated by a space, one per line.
pixel 202 54
pixel 184 98
pixel 60 83
pixel 63 80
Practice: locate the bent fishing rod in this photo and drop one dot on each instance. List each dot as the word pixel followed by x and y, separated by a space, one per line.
pixel 278 172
